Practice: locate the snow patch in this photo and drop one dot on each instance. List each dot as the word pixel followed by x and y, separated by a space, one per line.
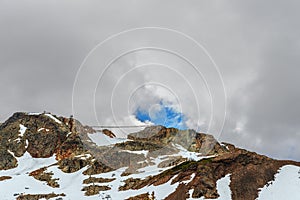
pixel 187 181
pixel 145 152
pixel 222 188
pixel 40 129
pixel 160 191
pixel 71 183
pixel 33 113
pixel 101 139
pixel 191 155
pixel 22 130
pixel 84 156
pixel 54 118
pixel 18 140
pixel 22 183
pixel 285 186
pixel 69 134
pixel 26 144
pixel 12 153
pixel 27 163
pixel 224 145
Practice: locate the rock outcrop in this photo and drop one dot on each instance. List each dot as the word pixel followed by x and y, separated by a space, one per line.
pixel 42 136
pixel 39 196
pixel 189 139
pixel 66 139
pixel 108 133
pixel 248 171
pixel 42 175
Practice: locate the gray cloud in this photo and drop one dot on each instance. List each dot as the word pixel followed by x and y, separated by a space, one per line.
pixel 256 45
pixel 269 104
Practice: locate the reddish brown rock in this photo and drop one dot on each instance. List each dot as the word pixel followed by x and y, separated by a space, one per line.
pixel 42 175
pixel 108 133
pixel 180 194
pixel 3 178
pixel 144 196
pixel 94 189
pixel 38 196
pixel 247 169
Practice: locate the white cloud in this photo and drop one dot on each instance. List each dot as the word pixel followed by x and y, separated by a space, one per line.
pixel 255 44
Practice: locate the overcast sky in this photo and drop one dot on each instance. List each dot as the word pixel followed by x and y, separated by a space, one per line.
pixel 252 47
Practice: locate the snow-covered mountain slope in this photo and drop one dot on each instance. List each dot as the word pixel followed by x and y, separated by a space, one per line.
pixel 71 184
pixel 43 156
pixel 285 186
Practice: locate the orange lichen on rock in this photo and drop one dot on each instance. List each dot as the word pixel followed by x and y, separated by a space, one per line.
pixel 63 155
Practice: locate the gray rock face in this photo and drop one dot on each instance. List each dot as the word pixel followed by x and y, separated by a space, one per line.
pixel 7 161
pixel 147 133
pixel 189 139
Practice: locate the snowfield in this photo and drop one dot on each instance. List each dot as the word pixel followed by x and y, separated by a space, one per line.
pixel 191 155
pixel 101 139
pixel 22 183
pixel 285 186
pixel 20 177
pixel 72 183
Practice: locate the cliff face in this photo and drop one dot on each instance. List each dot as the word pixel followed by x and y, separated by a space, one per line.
pixel 39 135
pixel 188 163
pixel 248 172
pixel 42 136
pixel 189 139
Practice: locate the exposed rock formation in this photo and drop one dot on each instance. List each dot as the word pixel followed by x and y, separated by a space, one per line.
pixel 46 135
pixel 42 175
pixel 98 180
pixel 94 189
pixel 38 196
pixel 144 196
pixel 108 133
pixel 2 178
pixel 7 160
pixel 247 169
pixel 42 136
pixel 189 139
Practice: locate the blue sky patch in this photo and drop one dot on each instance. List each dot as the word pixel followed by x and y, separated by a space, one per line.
pixel 162 115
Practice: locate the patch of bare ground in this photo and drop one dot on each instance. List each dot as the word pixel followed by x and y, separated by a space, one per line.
pixel 42 175
pixel 94 189
pixel 39 196
pixel 97 180
pixel 145 196
pixel 3 178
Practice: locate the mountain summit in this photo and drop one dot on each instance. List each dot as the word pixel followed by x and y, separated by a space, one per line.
pixel 43 156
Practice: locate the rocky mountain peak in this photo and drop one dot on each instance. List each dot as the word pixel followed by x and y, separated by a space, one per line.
pixel 189 139
pixel 189 162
